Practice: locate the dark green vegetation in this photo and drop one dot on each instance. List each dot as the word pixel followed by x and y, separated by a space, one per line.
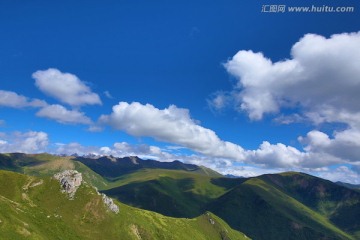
pixel 276 206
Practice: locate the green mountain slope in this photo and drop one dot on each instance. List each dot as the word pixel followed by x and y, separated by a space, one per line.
pixel 169 192
pixel 34 208
pixel 274 206
pixel 339 204
pixel 265 212
pixel 47 165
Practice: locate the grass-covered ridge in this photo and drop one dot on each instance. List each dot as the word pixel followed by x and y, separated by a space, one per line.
pixel 34 208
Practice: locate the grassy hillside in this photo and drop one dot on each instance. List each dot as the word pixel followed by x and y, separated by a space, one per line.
pixel 339 204
pixel 47 165
pixel 34 208
pixel 169 192
pixel 274 206
pixel 265 212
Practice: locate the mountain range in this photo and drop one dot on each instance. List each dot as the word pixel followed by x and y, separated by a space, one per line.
pixel 168 200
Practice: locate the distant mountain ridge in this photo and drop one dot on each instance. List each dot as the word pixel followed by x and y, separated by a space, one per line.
pixel 109 166
pixel 349 185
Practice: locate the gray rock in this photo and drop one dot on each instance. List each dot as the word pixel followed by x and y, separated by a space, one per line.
pixel 70 180
pixel 110 203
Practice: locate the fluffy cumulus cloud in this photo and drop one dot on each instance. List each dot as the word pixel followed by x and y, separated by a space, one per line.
pixel 26 142
pixel 14 100
pixel 344 145
pixel 61 114
pixel 54 112
pixel 341 173
pixel 286 157
pixel 323 73
pixel 320 82
pixel 276 155
pixel 172 125
pixel 65 87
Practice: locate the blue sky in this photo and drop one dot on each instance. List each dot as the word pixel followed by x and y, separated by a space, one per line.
pixel 216 83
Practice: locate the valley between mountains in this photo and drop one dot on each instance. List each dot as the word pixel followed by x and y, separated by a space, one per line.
pixel 168 200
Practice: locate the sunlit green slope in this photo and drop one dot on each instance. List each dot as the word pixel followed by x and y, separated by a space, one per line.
pixel 34 208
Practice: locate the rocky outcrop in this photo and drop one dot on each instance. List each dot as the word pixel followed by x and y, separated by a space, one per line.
pixel 70 180
pixel 110 203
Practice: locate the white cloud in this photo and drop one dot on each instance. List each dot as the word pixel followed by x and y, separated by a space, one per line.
pixel 61 114
pixel 320 83
pixel 95 128
pixel 65 87
pixel 172 125
pixel 219 101
pixel 14 100
pixel 55 112
pixel 142 150
pixel 27 142
pixel 175 126
pixel 75 148
pixel 119 149
pixel 343 145
pixel 321 73
pixel 286 157
pixel 248 171
pixel 108 94
pixel 278 155
pixel 289 119
pixel 341 173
